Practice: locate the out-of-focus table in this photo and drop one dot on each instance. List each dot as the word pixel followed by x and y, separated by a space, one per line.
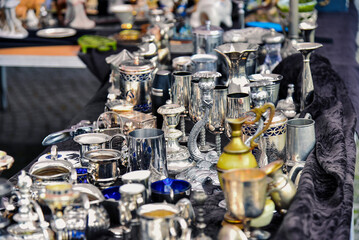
pixel 44 56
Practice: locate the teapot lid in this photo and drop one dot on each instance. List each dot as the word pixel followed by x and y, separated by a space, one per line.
pixel 208 29
pixel 273 37
pixel 136 65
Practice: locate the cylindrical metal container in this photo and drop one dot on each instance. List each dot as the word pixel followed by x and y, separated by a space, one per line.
pixel 206 38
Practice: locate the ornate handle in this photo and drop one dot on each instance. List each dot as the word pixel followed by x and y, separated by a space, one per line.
pixel 124 149
pixel 259 111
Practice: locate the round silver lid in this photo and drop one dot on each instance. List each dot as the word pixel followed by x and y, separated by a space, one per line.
pixel 136 65
pixel 269 77
pixel 273 37
pixel 208 29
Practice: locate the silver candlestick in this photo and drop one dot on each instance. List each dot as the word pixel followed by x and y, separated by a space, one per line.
pixel 306 48
pixel 206 85
pixel 178 157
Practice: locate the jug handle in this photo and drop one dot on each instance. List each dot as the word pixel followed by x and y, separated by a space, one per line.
pixel 124 149
pixel 259 111
pixel 184 227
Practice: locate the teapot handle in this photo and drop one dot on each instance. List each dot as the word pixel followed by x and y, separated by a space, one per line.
pixel 259 111
pixel 186 232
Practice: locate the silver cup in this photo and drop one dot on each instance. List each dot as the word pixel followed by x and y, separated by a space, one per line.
pixel 132 197
pixel 92 141
pixel 204 62
pixel 141 177
pixel 103 169
pixel 237 105
pixel 158 222
pixel 182 63
pixel 217 114
pixel 300 140
pixel 181 88
pixel 195 99
pixel 147 151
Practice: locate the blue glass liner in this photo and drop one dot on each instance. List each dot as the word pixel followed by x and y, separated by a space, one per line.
pixel 112 193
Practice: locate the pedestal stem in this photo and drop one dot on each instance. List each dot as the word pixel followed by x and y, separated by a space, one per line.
pixel 218 143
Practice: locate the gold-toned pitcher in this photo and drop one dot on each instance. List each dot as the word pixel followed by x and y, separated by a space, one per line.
pixel 237 155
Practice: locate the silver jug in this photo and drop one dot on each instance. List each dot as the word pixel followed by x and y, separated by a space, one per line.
pixel 136 82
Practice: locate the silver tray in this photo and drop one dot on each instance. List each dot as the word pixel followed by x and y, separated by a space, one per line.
pixel 56 32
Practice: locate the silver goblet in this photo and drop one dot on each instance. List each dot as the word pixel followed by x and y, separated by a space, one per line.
pixel 181 86
pixel 217 114
pixel 196 114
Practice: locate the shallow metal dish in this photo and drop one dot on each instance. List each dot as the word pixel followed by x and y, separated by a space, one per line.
pixel 56 32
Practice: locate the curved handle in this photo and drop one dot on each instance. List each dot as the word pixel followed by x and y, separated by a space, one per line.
pixel 296 172
pixel 43 224
pixel 259 111
pixel 124 149
pixel 278 189
pixel 184 227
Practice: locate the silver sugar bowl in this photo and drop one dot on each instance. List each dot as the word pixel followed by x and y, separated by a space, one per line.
pixel 136 81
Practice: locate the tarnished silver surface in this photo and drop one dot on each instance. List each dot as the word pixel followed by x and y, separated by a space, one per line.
pixel 245 193
pixel 103 166
pixel 182 63
pixel 235 55
pixel 162 227
pixel 300 140
pixel 147 151
pixel 306 49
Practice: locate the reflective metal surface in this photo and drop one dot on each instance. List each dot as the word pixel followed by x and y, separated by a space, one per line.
pixel 300 140
pixel 235 55
pixel 206 38
pixel 139 176
pixel 306 49
pixel 147 151
pixel 103 166
pixel 161 221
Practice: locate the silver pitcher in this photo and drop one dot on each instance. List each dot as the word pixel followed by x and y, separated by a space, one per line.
pixel 236 55
pixel 136 81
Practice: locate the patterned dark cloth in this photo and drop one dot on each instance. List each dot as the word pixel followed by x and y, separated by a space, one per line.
pixel 322 207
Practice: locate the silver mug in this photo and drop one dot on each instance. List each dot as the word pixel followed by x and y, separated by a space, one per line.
pixel 158 222
pixel 300 140
pixel 139 176
pixel 91 141
pixel 195 113
pixel 132 197
pixel 147 151
pixel 103 168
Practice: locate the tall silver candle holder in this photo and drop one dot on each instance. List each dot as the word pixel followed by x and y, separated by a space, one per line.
pixel 206 85
pixel 178 157
pixel 306 48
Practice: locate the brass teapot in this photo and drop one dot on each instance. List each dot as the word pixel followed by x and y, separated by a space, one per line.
pixel 237 154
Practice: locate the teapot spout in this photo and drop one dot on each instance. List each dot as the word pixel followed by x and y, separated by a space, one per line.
pixel 228 60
